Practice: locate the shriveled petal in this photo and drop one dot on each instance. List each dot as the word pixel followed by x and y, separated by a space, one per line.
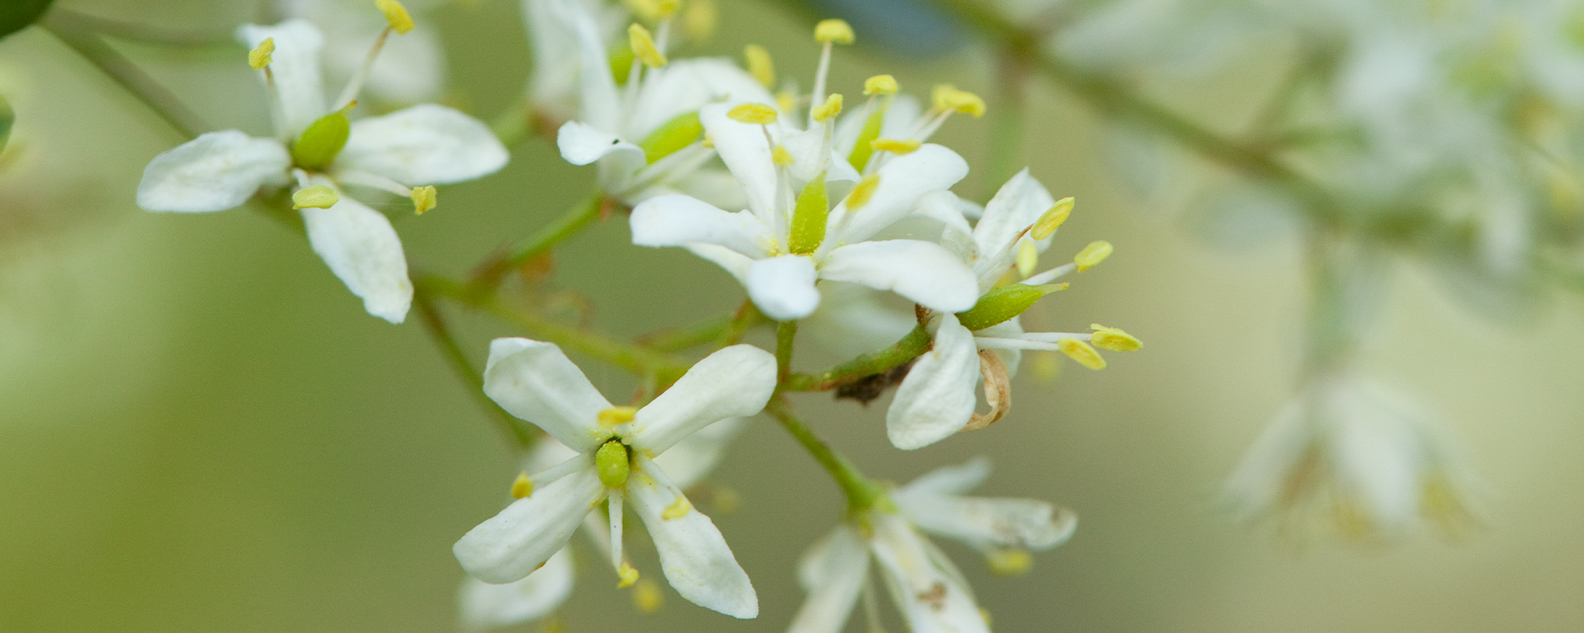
pixel 425 144
pixel 926 273
pixel 484 605
pixel 746 152
pixel 214 172
pixel 936 398
pixel 950 480
pixel 294 66
pixel 360 246
pixel 733 382
pixel 678 220
pixel 903 180
pixel 535 381
pixel 832 572
pixel 1018 203
pixel 783 287
pixel 692 459
pixel 930 598
pixel 693 554
pixel 684 86
pixel 581 144
pixel 987 523
pixel 522 537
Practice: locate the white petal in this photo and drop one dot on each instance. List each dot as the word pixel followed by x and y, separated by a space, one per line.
pixel 693 554
pixel 214 172
pixel 692 459
pixel 936 398
pixel 783 287
pixel 945 207
pixel 1018 203
pixel 950 480
pixel 684 86
pixel 581 144
pixel 423 145
pixel 360 246
pixel 295 68
pixel 745 151
pixel 1255 486
pixel 484 605
pixel 715 186
pixel 732 261
pixel 990 522
pixel 410 68
pixel 601 104
pixel 535 381
pixel 926 273
pixel 903 180
pixel 733 382
pixel 678 220
pixel 522 537
pixel 931 599
pixel 805 147
pixel 546 453
pixel 832 572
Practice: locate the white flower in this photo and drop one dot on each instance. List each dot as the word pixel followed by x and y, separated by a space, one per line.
pixel 617 447
pixel 1359 455
pixel 420 145
pixel 558 50
pixel 925 586
pixel 756 245
pixel 410 68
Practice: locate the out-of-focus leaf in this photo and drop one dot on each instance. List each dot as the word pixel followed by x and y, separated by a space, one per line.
pixel 7 118
pixel 16 15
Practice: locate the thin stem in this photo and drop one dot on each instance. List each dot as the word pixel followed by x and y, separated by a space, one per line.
pixel 575 219
pixel 862 493
pixel 909 347
pixel 143 33
pixel 124 72
pixel 746 318
pixel 785 333
pixel 704 332
pixel 517 122
pixel 1007 118
pixel 464 368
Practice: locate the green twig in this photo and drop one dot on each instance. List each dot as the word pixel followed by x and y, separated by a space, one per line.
pixel 786 332
pixel 438 330
pixel 908 348
pixel 748 316
pixel 862 493
pixel 120 69
pixel 705 332
pixel 575 219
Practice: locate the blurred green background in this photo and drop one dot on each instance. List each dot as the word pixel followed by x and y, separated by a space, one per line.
pixel 201 430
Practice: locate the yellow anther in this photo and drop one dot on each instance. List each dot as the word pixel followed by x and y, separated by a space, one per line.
pixel 396 15
pixel 786 100
pixel 677 509
pixel 781 156
pixel 1081 352
pixel 259 57
pixel 828 110
pixel 1053 219
pixel 653 10
pixel 317 196
pixel 647 596
pixel 895 146
pixel 758 113
pixel 948 97
pixel 424 198
pixel 709 141
pixel 1114 339
pixel 700 19
pixel 1009 562
pixel 617 415
pixel 643 46
pixel 1027 257
pixel 880 85
pixel 664 9
pixel 759 64
pixel 522 488
pixel 862 192
pixel 1091 256
pixel 627 574
pixel 833 32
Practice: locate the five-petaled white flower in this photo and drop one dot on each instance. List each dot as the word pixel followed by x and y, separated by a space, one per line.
pixel 318 150
pixel 616 450
pixel 786 241
pixel 925 586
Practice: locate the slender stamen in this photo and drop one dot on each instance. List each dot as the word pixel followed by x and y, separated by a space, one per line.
pixel 819 78
pixel 1051 275
pixel 355 84
pixel 374 181
pixel 615 505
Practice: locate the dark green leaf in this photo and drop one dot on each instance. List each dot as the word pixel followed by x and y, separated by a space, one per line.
pixel 16 15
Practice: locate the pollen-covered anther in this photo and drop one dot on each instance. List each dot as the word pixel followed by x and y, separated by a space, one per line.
pixel 677 509
pixel 643 46
pixel 833 32
pixel 947 97
pixel 862 192
pixel 760 64
pixel 1082 353
pixel 895 146
pixel 828 110
pixel 260 57
pixel 1091 256
pixel 781 156
pixel 756 113
pixel 396 15
pixel 1027 258
pixel 617 415
pixel 424 198
pixel 317 197
pixel 647 597
pixel 880 85
pixel 1052 219
pixel 626 575
pixel 522 487
pixel 1114 339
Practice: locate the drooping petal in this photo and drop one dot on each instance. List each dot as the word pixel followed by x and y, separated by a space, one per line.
pixel 746 152
pixel 988 523
pixel 930 598
pixel 936 398
pixel 903 180
pixel 678 220
pixel 783 287
pixel 514 543
pixel 926 273
pixel 294 66
pixel 832 572
pixel 360 246
pixel 214 172
pixel 733 382
pixel 693 554
pixel 535 381
pixel 425 144
pixel 692 459
pixel 484 605
pixel 949 480
pixel 684 86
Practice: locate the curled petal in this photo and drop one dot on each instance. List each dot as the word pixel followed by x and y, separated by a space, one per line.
pixel 583 144
pixel 937 396
pixel 783 287
pixel 693 554
pixel 423 145
pixel 535 381
pixel 926 273
pixel 360 246
pixel 733 382
pixel 214 172
pixel 522 537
